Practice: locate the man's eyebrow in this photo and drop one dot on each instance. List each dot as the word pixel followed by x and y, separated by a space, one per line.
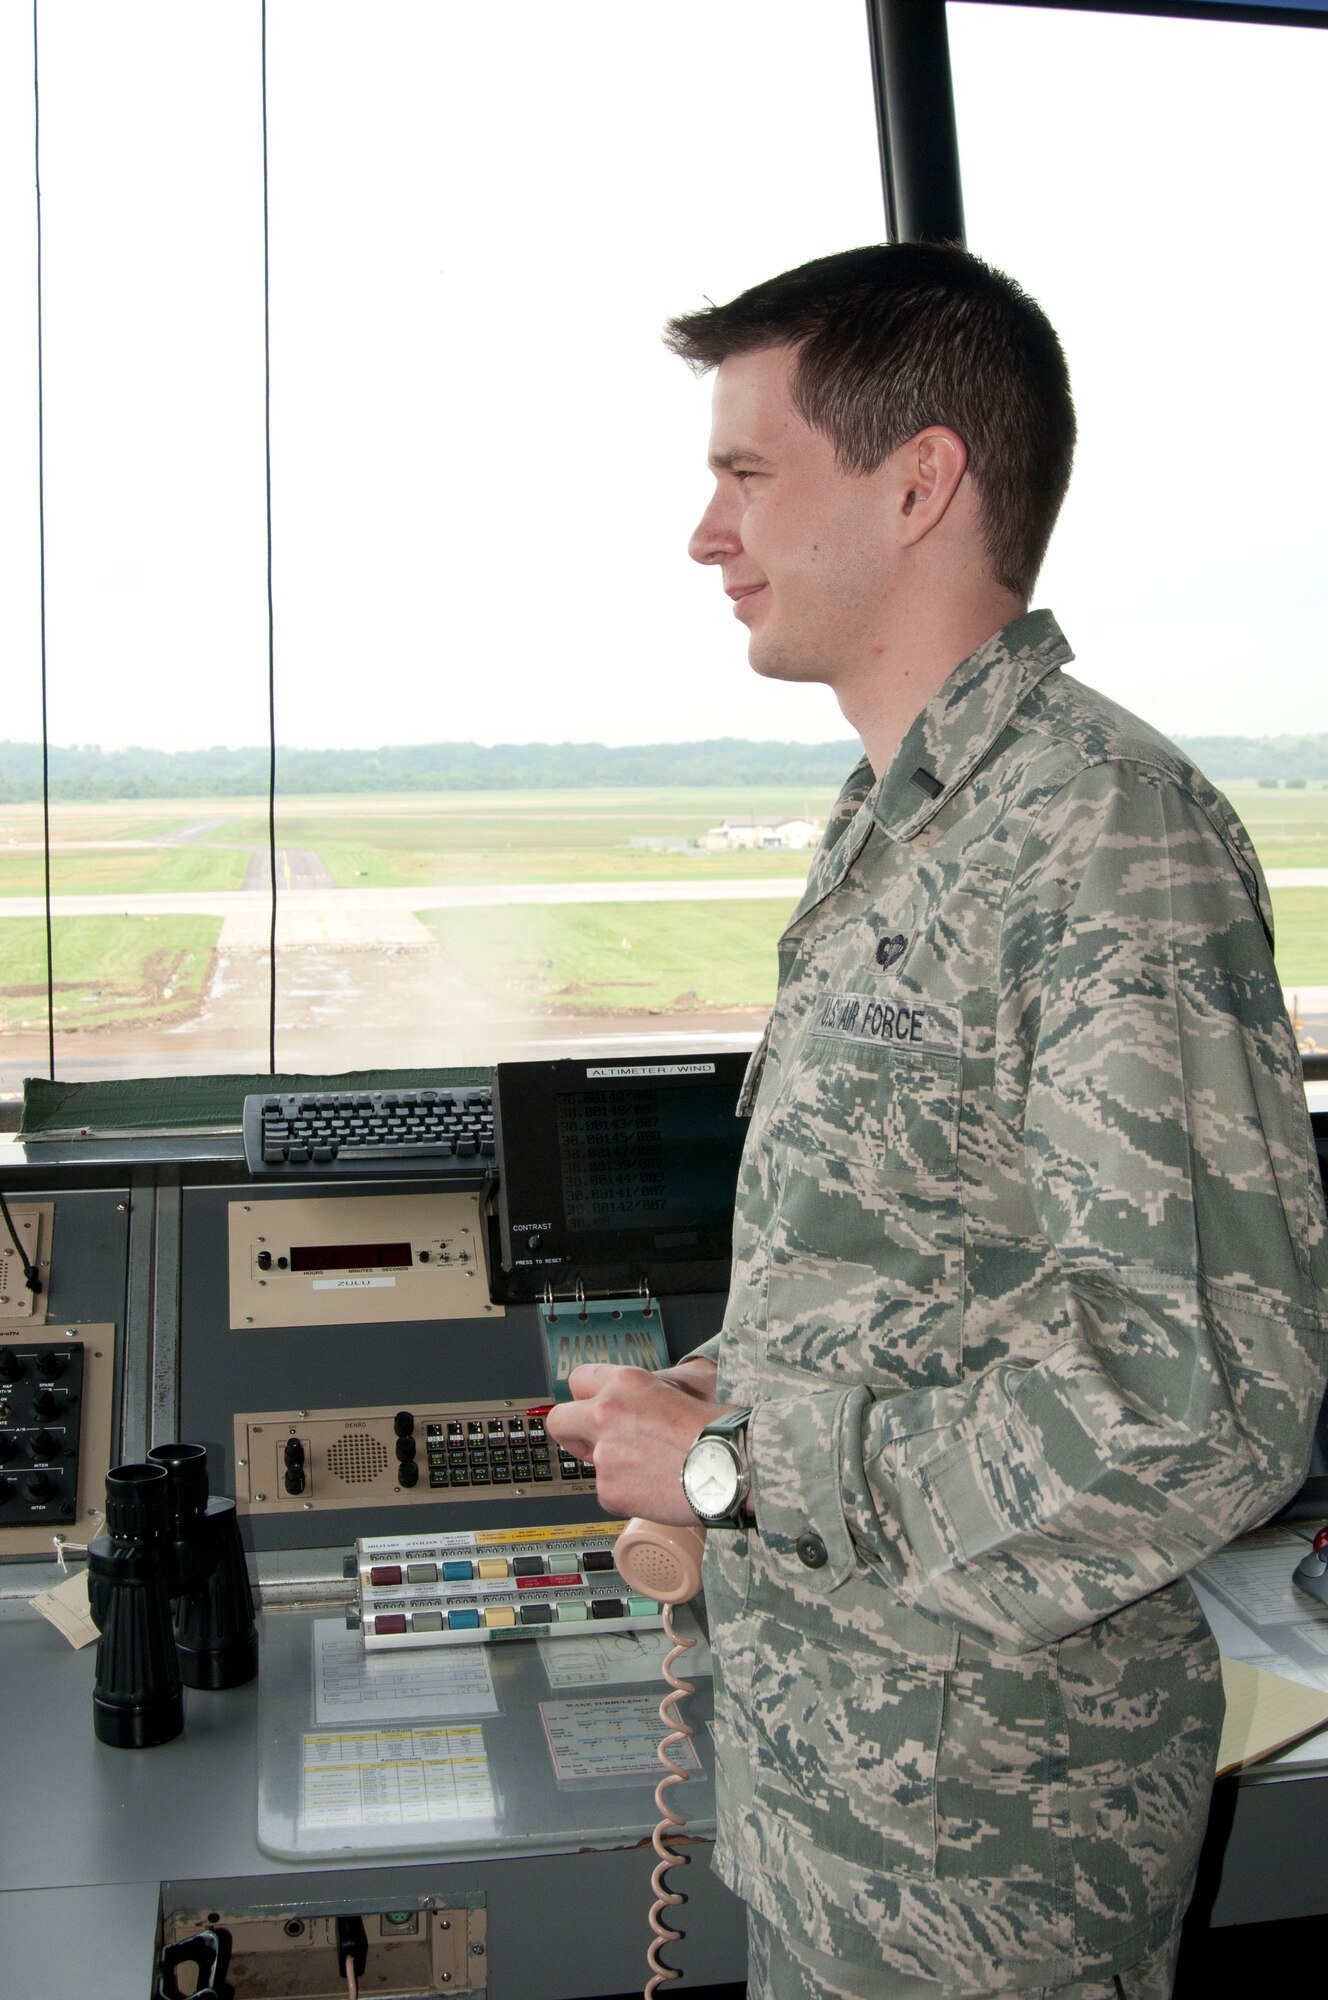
pixel 725 461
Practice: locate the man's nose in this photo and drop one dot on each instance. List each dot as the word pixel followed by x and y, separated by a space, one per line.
pixel 714 536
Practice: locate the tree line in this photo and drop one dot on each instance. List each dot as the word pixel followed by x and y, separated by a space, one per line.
pixel 85 771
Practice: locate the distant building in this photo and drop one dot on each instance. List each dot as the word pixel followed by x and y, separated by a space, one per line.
pixel 787 833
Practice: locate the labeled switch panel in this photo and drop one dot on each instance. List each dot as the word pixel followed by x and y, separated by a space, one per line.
pixel 32 1228
pixel 505 1583
pixel 306 1460
pixel 55 1421
pixel 355 1260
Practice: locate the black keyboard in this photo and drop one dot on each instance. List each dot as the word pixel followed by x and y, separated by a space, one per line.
pixel 352 1132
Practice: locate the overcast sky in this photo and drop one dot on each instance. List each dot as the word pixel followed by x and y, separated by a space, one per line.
pixel 485 465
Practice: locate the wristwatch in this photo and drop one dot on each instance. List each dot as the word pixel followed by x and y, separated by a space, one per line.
pixel 715 1479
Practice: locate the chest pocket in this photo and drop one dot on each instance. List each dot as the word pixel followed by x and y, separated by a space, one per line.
pixel 866 1251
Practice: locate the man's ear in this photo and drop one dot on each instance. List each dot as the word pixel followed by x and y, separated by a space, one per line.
pixel 930 469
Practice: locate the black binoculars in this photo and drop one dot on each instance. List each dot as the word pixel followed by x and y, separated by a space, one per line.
pixel 169 1593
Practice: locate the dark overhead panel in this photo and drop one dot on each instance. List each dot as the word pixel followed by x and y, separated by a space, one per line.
pixel 1291 14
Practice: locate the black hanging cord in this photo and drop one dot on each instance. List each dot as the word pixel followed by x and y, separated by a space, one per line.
pixel 30 1277
pixel 41 568
pixel 271 650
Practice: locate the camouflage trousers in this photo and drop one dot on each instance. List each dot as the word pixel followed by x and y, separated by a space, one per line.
pixel 783 1968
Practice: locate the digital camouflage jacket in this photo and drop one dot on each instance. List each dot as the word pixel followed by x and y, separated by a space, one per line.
pixel 1027 1302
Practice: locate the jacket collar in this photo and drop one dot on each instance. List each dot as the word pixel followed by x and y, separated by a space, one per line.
pixel 945 745
pixel 963 719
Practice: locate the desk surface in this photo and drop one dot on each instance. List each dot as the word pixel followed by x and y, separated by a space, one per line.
pixel 114 1826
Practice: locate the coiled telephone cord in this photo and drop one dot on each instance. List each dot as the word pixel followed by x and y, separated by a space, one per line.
pixel 670 1821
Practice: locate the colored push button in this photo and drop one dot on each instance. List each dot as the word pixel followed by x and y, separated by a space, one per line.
pixel 389 1622
pixel 500 1614
pixel 491 1567
pixel 607 1607
pixel 458 1572
pixel 642 1607
pixel 528 1565
pixel 421 1572
pixel 426 1621
pixel 537 1614
pixel 385 1573
pixel 463 1621
pixel 572 1609
pixel 597 1559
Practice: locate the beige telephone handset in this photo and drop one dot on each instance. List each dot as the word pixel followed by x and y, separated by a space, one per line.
pixel 664 1563
pixel 659 1561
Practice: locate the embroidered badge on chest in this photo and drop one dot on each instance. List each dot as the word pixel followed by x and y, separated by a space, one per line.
pixel 890 949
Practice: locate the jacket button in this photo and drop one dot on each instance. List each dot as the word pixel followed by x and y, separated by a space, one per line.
pixel 811 1550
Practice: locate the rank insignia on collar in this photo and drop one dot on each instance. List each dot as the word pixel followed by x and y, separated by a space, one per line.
pixel 890 949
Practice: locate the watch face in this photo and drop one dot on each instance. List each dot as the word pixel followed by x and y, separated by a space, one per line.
pixel 710 1477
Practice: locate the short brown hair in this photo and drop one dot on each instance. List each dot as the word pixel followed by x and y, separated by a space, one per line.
pixel 897 336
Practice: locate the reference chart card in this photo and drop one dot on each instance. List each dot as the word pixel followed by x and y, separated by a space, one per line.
pixel 610 1736
pixel 611 1656
pixel 392 1777
pixel 352 1686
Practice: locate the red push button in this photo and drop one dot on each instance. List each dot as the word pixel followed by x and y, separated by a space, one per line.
pixel 390 1621
pixel 386 1573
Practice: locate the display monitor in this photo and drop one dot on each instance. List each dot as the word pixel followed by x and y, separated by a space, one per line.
pixel 617 1175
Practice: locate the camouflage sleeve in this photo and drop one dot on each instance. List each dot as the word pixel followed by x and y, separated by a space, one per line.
pixel 1142 1045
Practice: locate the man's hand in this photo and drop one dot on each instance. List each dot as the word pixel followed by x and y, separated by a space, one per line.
pixel 638 1427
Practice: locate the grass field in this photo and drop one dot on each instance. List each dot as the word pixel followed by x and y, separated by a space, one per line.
pixel 578 958
pixel 132 872
pixel 1300 918
pixel 396 842
pixel 108 970
pixel 553 837
pixel 595 959
pixel 399 841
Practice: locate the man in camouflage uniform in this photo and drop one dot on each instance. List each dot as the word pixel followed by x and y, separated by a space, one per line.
pixel 1026 1304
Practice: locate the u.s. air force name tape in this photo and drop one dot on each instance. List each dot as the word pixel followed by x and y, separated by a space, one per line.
pixel 900 1023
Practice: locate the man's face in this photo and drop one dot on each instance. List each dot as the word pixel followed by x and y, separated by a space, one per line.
pixel 804 546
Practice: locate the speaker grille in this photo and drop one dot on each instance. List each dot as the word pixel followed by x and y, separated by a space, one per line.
pixel 655 1570
pixel 357 1458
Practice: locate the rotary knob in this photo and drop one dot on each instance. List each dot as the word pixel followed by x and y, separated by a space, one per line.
pixel 52 1362
pixel 45 1403
pixel 42 1486
pixel 44 1444
pixel 409 1473
pixel 11 1367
